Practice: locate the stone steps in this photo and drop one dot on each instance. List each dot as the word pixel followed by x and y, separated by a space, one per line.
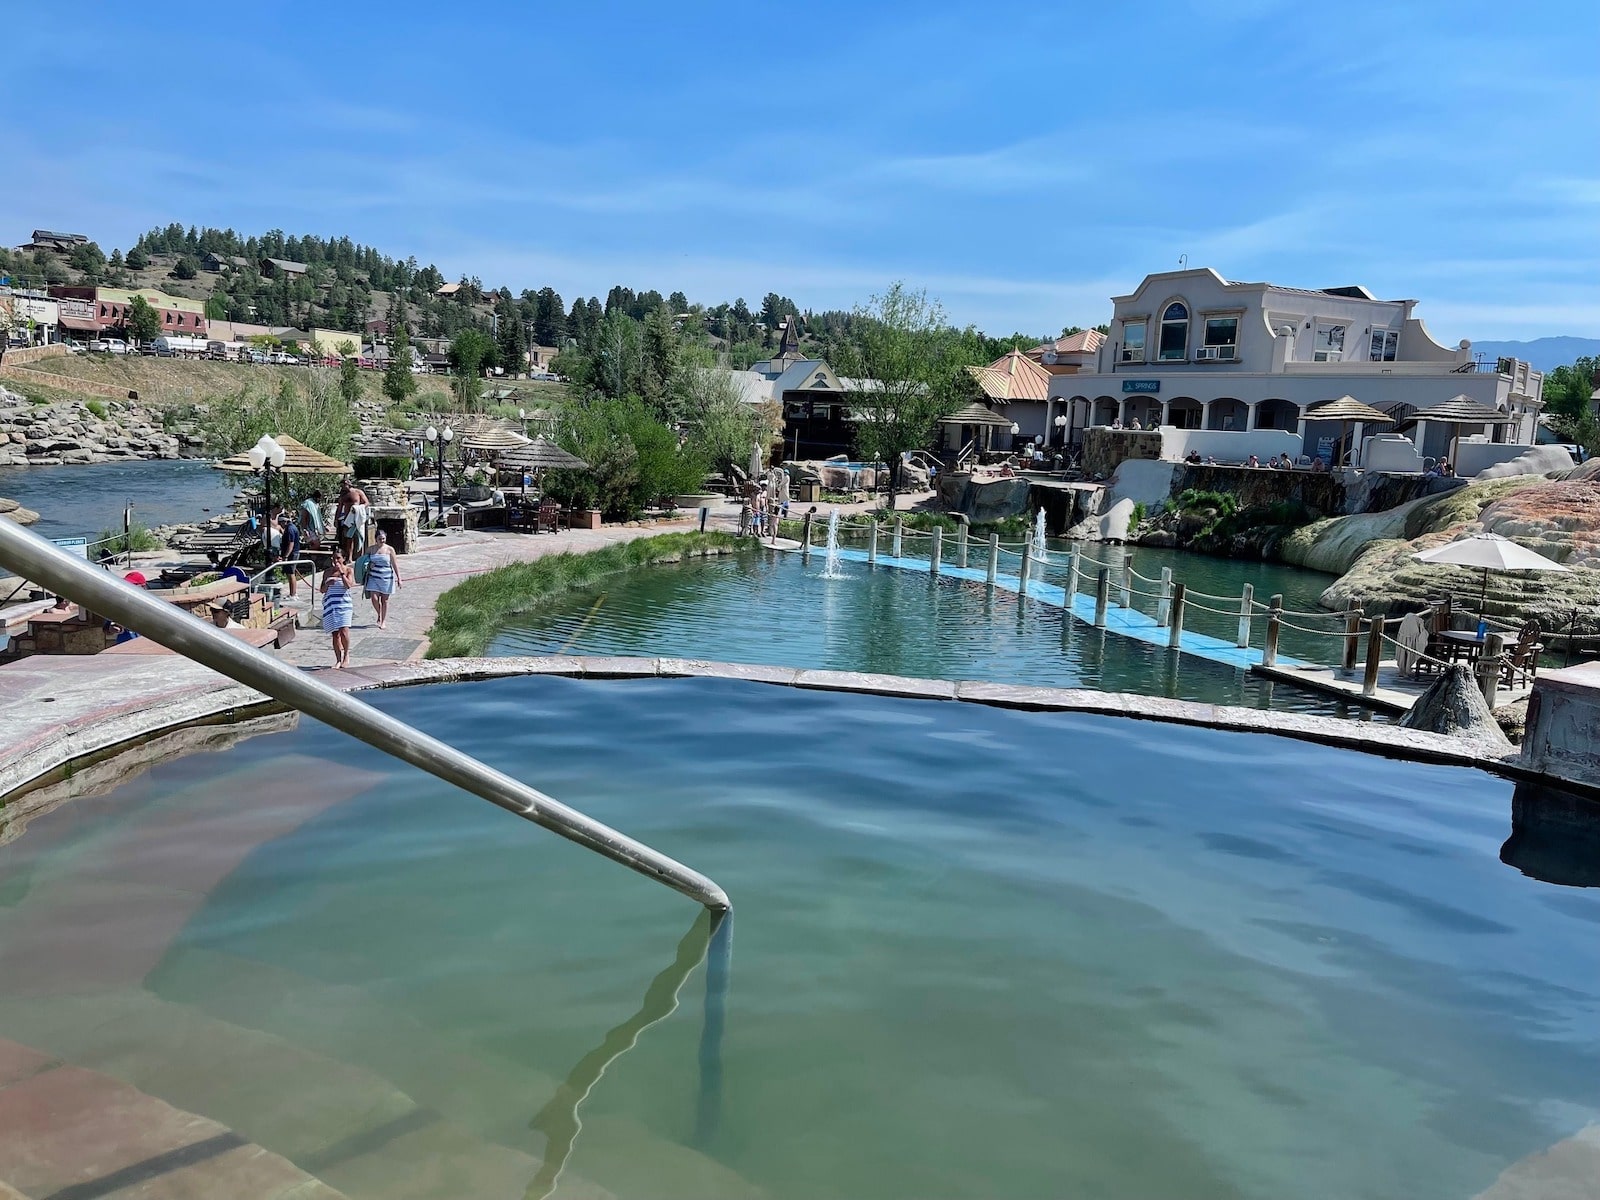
pixel 369 1101
pixel 74 1134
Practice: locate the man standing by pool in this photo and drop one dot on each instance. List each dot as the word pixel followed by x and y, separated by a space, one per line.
pixel 289 546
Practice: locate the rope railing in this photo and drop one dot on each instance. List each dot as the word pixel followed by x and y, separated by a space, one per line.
pixel 1338 633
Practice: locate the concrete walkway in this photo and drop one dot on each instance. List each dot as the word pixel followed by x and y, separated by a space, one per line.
pixel 437 565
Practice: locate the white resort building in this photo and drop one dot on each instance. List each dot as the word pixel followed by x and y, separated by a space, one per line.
pixel 1193 350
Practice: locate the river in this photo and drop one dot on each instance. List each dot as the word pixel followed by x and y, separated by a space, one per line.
pixel 79 501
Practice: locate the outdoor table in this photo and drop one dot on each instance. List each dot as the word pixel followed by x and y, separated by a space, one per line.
pixel 1463 643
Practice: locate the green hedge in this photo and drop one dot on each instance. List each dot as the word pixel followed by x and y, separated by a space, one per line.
pixel 469 615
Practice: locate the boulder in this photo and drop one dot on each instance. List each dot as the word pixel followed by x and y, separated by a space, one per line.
pixel 1455 706
pixel 13 511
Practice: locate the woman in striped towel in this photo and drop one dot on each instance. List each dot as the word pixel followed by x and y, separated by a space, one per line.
pixel 338 606
pixel 383 576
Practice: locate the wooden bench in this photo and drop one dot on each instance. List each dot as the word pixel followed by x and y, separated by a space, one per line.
pixel 261 639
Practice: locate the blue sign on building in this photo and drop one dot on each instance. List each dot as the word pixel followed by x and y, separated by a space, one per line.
pixel 1141 385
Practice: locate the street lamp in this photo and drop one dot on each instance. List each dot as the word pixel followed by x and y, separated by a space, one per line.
pixel 267 456
pixel 442 437
pixel 1061 429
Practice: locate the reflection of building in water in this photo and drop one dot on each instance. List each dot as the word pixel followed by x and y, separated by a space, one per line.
pixel 1555 836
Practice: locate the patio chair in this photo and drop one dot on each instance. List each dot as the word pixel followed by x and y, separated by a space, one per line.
pixel 549 517
pixel 1521 659
pixel 1438 650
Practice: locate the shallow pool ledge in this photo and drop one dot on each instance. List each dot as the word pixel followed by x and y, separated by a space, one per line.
pixel 89 716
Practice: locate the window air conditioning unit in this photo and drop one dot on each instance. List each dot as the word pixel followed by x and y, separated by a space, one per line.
pixel 1208 354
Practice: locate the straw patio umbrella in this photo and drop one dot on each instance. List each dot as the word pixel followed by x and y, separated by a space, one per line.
pixel 541 454
pixel 1458 411
pixel 1488 552
pixel 1345 410
pixel 299 459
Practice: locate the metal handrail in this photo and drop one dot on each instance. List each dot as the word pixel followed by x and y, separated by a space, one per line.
pixel 32 557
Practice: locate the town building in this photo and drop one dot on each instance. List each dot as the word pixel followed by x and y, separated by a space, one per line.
pixel 56 243
pixel 282 268
pixel 1015 386
pixel 1070 353
pixel 27 317
pixel 1193 350
pixel 87 310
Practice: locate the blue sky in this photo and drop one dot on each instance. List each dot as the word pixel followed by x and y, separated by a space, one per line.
pixel 1022 162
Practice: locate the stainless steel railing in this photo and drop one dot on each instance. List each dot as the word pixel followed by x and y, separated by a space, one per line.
pixel 31 557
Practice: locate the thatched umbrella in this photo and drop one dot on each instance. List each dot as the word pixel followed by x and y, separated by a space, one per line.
pixel 1345 410
pixel 493 441
pixel 1458 411
pixel 539 455
pixel 299 459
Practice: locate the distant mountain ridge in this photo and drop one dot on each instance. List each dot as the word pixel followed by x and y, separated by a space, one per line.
pixel 1541 353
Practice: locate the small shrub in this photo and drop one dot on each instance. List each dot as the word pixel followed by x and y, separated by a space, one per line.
pixel 97 407
pixel 469 614
pixel 135 541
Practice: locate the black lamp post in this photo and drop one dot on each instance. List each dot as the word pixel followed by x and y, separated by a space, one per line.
pixel 442 438
pixel 267 456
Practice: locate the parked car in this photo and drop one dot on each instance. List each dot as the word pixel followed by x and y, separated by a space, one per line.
pixel 111 346
pixel 76 348
pixel 258 356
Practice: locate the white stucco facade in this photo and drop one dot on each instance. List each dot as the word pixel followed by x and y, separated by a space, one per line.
pixel 1193 350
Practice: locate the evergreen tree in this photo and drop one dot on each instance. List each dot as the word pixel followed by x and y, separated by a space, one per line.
pixel 399 384
pixel 138 260
pixel 549 321
pixel 513 339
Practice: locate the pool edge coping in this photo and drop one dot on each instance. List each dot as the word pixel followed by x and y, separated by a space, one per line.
pixel 104 732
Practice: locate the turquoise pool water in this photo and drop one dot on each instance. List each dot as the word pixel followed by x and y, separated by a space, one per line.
pixel 779 610
pixel 976 953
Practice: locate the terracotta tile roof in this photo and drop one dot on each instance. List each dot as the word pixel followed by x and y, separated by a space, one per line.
pixel 1013 376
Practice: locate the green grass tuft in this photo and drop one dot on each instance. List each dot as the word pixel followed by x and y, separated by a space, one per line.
pixel 469 615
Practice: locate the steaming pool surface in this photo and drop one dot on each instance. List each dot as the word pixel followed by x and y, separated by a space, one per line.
pixel 976 953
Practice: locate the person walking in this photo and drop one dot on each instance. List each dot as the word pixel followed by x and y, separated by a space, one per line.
pixel 311 520
pixel 383 576
pixel 338 606
pixel 350 519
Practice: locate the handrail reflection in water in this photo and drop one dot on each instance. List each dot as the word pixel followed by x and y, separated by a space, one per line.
pixel 559 1120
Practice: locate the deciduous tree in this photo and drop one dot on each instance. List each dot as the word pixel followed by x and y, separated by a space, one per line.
pixel 906 366
pixel 143 321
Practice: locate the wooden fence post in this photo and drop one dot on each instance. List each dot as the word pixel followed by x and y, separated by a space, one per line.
pixel 1269 650
pixel 1102 597
pixel 1175 629
pixel 1247 604
pixel 1369 681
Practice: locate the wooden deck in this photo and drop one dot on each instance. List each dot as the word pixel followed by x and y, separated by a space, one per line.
pixel 1396 692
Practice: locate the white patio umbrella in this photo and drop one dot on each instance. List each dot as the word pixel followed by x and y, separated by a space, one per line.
pixel 1488 552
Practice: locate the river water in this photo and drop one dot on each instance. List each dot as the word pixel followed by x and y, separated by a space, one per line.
pixel 79 501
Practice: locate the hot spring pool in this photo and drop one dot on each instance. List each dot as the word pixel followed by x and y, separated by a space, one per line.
pixel 778 610
pixel 976 953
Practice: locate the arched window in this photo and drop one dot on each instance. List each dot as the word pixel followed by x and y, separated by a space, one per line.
pixel 1174 344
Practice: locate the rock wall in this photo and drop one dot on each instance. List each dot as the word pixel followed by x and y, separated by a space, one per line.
pixel 1559 519
pixel 1105 449
pixel 51 434
pixel 983 500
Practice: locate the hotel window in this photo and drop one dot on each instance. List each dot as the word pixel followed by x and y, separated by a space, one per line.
pixel 1174 333
pixel 1221 340
pixel 1328 344
pixel 1133 341
pixel 1385 342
